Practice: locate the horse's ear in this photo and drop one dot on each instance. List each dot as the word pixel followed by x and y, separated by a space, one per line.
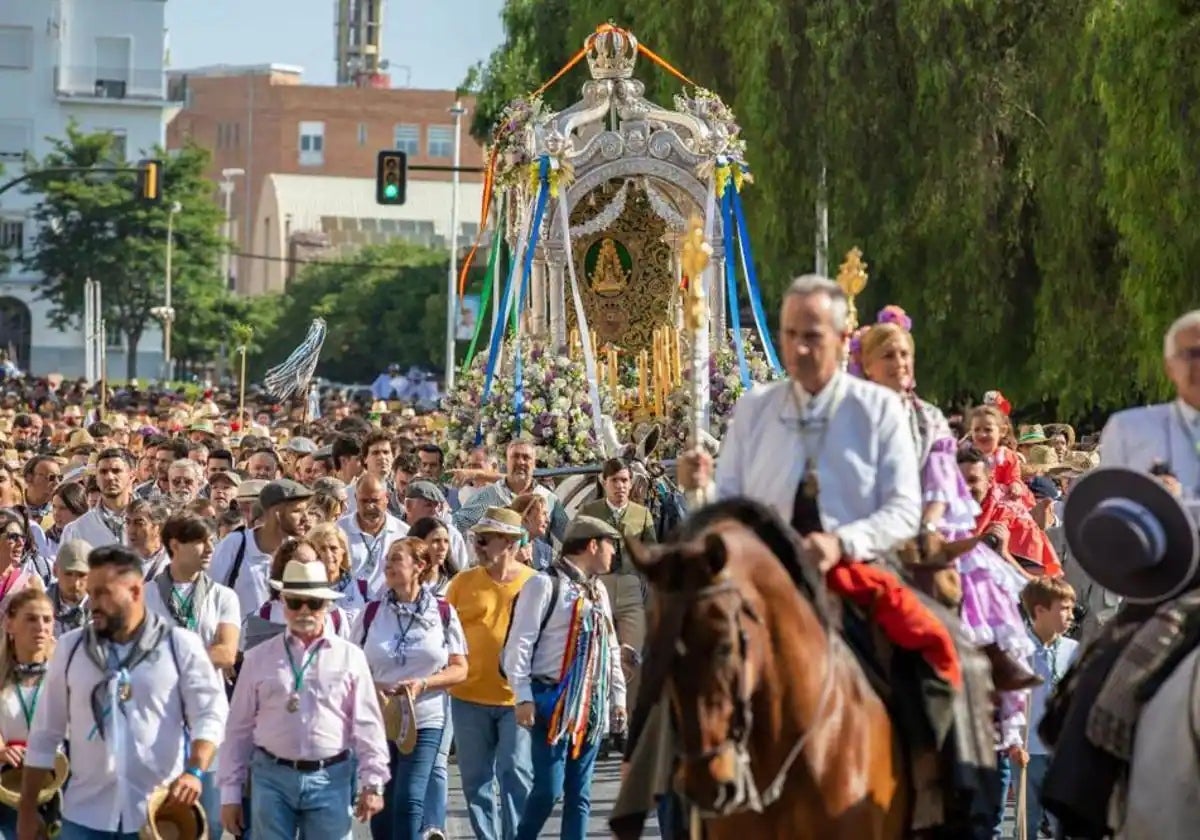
pixel 715 553
pixel 646 559
pixel 649 441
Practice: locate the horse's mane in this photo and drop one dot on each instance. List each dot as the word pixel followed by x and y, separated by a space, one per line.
pixel 769 527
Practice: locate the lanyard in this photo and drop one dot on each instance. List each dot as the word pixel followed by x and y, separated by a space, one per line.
pixel 298 673
pixel 27 709
pixel 400 642
pixel 374 547
pixel 187 607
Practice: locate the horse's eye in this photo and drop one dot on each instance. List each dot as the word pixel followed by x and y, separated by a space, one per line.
pixel 723 650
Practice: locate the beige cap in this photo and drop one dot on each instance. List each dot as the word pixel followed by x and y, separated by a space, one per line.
pixel 248 490
pixel 72 556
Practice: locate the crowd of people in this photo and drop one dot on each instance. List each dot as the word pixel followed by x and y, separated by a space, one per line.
pixel 283 624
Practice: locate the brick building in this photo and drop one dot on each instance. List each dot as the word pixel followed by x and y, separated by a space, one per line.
pixel 307 155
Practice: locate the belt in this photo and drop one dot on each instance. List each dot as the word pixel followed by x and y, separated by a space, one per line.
pixel 307 765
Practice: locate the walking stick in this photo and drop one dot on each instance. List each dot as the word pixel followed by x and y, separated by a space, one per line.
pixel 242 333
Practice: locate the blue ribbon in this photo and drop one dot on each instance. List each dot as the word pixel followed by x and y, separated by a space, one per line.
pixel 756 306
pixel 735 320
pixel 539 211
pixel 489 375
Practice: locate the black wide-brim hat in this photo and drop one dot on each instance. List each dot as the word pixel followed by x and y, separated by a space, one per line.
pixel 1131 535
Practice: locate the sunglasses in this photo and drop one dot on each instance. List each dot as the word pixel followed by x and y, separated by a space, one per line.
pixel 313 604
pixel 14 536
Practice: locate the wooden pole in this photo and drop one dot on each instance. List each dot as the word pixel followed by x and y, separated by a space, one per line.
pixel 242 390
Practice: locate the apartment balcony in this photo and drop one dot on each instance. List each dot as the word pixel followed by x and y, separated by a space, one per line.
pixel 118 86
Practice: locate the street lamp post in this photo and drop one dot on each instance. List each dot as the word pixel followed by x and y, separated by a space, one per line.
pixel 226 187
pixel 452 275
pixel 166 312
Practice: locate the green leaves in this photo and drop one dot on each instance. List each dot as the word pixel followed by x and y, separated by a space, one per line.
pixel 1021 175
pixel 90 225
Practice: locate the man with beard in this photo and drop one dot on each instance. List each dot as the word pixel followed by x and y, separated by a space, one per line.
pixel 185 478
pixel 370 531
pixel 105 523
pixel 138 701
pixel 242 561
pixel 166 453
pixel 305 726
pixel 42 475
pixel 68 593
pixel 521 459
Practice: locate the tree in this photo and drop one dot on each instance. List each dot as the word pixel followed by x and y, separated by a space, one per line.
pixel 91 225
pixel 382 304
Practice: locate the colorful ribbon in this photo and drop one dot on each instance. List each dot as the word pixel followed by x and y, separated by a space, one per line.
pixel 486 295
pixel 731 285
pixel 752 288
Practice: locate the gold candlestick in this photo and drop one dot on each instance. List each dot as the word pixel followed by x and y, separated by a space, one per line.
pixel 852 277
pixel 613 383
pixel 696 254
pixel 573 343
pixel 641 370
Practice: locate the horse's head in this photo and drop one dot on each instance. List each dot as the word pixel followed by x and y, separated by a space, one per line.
pixel 707 649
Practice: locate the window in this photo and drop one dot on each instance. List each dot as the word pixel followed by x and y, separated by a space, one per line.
pixel 312 143
pixel 362 134
pixel 408 139
pixel 16 138
pixel 118 151
pixel 441 141
pixel 16 47
pixel 12 235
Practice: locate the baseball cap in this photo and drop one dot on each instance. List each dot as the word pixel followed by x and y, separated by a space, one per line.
pixel 590 528
pixel 426 491
pixel 72 556
pixel 282 491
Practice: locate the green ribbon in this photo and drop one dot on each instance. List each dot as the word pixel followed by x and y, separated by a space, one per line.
pixel 485 296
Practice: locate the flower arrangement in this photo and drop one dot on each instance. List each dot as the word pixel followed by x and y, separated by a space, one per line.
pixel 513 155
pixel 557 414
pixel 725 388
pixel 709 107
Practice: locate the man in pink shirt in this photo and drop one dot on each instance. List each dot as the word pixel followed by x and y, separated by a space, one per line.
pixel 304 706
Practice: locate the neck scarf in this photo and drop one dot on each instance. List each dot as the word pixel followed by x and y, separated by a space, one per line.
pixel 68 617
pixel 580 712
pixel 29 670
pixel 107 693
pixel 185 614
pixel 114 521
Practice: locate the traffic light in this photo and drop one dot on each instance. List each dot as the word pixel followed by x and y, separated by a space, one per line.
pixel 391 177
pixel 149 180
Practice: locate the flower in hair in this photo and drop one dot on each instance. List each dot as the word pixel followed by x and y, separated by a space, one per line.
pixel 854 361
pixel 892 314
pixel 998 401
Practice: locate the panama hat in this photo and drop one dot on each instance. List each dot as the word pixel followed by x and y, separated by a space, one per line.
pixel 305 580
pixel 1031 434
pixel 502 521
pixel 171 821
pixel 10 782
pixel 1131 535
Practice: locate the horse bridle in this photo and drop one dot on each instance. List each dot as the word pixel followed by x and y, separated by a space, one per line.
pixel 748 795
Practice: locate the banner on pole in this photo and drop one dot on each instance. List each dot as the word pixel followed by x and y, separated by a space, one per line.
pixel 468 317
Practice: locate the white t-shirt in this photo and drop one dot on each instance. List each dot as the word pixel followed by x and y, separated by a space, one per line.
pixel 410 641
pixel 13 726
pixel 252 586
pixel 220 607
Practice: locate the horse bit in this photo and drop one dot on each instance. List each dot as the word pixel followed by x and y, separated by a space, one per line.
pixel 747 795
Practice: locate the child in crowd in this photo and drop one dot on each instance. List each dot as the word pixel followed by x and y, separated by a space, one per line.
pixel 1049 607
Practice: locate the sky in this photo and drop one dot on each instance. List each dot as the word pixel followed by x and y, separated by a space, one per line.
pixel 430 43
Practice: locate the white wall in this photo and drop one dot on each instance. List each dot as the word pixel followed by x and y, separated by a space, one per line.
pixel 59 87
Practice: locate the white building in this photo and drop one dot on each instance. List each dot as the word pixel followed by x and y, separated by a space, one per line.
pixel 99 63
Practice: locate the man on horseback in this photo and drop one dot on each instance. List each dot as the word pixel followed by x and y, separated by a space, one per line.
pixel 852 488
pixel 832 455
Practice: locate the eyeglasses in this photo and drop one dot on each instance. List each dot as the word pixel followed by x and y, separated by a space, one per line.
pixel 313 604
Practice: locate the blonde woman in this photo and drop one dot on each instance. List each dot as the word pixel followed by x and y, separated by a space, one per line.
pixel 302 551
pixel 535 516
pixel 332 547
pixel 28 643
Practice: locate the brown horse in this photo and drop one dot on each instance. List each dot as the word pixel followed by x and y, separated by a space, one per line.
pixel 781 735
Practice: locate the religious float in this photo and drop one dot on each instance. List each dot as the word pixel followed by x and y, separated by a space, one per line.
pixel 590 209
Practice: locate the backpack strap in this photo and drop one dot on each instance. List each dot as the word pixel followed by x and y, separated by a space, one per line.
pixel 264 612
pixel 336 616
pixel 237 561
pixel 70 659
pixel 369 618
pixel 362 589
pixel 555 588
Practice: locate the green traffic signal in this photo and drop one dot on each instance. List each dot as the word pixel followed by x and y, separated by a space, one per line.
pixel 391 191
pixel 391 175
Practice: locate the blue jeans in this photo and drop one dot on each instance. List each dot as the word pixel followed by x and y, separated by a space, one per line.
pixel 491 748
pixel 1035 775
pixel 210 801
pixel 402 811
pixel 556 775
pixel 8 823
pixel 438 792
pixel 75 831
pixel 284 801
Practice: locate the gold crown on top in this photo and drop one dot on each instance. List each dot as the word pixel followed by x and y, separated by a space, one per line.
pixel 612 53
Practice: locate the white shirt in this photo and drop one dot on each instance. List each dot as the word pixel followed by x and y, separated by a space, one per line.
pixel 368 553
pixel 91 529
pixel 870 482
pixel 252 585
pixel 112 778
pixel 220 606
pixel 12 719
pixel 531 652
pixel 409 641
pixel 1137 438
